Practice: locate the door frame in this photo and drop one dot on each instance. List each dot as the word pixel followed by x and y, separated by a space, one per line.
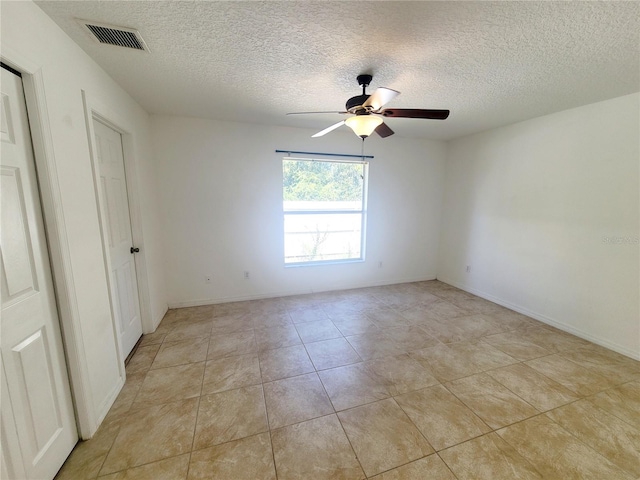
pixel 88 417
pixel 96 111
pixel 57 241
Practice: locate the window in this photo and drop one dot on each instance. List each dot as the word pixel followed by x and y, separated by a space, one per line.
pixel 324 204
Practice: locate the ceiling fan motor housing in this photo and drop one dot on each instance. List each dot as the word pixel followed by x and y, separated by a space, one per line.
pixel 355 102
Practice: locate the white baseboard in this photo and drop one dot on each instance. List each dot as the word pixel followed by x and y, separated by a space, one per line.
pixel 242 298
pixel 549 321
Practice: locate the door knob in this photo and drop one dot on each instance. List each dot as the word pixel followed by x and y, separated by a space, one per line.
pixel 134 250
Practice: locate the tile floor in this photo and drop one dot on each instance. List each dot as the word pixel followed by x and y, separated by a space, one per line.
pixel 409 381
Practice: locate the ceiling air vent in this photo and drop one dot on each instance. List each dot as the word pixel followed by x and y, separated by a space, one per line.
pixel 114 35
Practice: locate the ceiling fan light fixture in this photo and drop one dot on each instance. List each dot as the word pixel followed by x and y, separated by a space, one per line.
pixel 363 125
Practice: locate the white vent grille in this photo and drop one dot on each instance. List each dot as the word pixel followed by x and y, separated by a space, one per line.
pixel 114 35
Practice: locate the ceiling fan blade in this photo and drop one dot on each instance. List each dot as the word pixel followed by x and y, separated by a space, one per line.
pixel 414 113
pixel 380 97
pixel 383 130
pixel 328 129
pixel 307 113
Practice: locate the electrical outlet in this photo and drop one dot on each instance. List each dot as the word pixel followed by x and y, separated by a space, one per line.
pixel 207 279
pixel 468 268
pixel 246 274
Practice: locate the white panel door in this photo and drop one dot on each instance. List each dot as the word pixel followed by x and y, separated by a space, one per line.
pixel 116 216
pixel 38 423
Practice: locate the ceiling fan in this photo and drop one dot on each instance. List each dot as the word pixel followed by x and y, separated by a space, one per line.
pixel 367 112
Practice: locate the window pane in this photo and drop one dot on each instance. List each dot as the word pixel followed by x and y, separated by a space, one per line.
pixel 322 182
pixel 323 204
pixel 318 237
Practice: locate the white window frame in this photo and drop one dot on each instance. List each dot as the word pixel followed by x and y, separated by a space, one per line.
pixel 362 212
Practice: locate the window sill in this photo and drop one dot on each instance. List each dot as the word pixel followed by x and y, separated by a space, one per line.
pixel 323 262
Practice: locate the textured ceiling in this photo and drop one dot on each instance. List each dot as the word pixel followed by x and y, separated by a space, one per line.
pixel 490 63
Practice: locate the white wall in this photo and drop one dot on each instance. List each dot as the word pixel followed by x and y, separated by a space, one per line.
pixel 528 207
pixel 32 41
pixel 221 195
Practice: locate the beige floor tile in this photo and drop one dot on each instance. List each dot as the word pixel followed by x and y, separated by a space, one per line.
pixel 341 307
pixel 374 345
pixel 237 343
pixel 443 310
pixel 182 352
pixel 170 317
pixel 352 385
pixel 230 308
pixel 170 384
pixel 533 387
pixel 354 324
pixel 270 338
pixel 318 330
pixel 462 328
pixel 296 399
pixel 400 374
pixel 491 401
pixel 154 338
pixel 444 331
pixel 249 458
pixel 201 312
pixel 614 439
pixel 481 354
pixel 284 362
pixel 556 453
pixel 390 341
pixel 452 294
pixel 174 468
pixel 316 449
pixel 232 323
pixel 411 337
pixel 488 457
pixel 382 436
pixel 576 378
pixel 385 317
pixel 441 417
pixel 622 401
pixel 301 302
pixel 184 331
pixel 153 434
pixel 480 324
pixel 515 346
pixel 409 298
pixel 266 306
pixel 425 468
pixel 230 415
pixel 553 340
pixel 270 320
pixel 418 314
pixel 231 372
pixel 303 315
pixel 475 305
pixel 332 353
pixel 513 320
pixel 126 397
pixel 142 360
pixel 444 363
pixel 604 362
pixel 87 457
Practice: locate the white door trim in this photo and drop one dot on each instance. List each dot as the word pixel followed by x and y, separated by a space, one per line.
pixel 88 416
pixel 102 113
pixel 59 254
